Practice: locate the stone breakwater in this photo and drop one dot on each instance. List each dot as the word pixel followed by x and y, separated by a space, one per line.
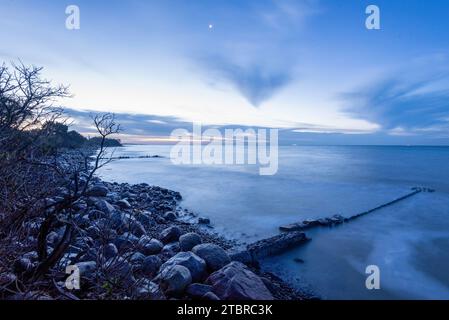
pixel 130 243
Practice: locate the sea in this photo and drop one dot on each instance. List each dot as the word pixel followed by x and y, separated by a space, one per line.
pixel 408 243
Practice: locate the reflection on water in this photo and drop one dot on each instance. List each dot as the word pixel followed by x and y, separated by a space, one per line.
pixel 321 181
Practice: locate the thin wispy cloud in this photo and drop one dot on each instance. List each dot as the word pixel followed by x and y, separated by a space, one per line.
pixel 404 104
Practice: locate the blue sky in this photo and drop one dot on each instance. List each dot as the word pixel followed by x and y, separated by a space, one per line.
pixel 309 67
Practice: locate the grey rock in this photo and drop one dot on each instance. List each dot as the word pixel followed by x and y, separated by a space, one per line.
pixel 202 220
pixel 189 240
pixel 191 261
pixel 170 234
pixel 87 268
pixel 126 241
pixel 110 251
pixel 175 279
pixel 171 248
pixel 121 270
pixel 137 258
pixel 124 204
pixel 105 206
pixel 170 216
pixel 137 228
pixel 210 296
pixel 242 256
pixel 236 282
pixel 98 190
pixel 148 290
pixel 149 246
pixel 214 255
pixel 151 265
pixel 22 265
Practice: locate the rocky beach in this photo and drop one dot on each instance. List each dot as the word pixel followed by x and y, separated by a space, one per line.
pixel 133 242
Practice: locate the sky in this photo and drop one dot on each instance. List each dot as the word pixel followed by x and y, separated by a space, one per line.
pixel 308 67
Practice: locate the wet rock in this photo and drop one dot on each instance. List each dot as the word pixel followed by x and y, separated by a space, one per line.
pixel 198 290
pixel 276 244
pixel 189 240
pixel 151 265
pixel 175 279
pixel 214 255
pixel 191 261
pixel 98 190
pixel 236 282
pixel 170 234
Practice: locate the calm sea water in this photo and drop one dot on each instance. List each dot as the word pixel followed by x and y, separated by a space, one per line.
pixel 408 241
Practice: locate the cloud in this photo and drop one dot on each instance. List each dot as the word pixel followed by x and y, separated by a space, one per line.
pixel 254 82
pixel 404 104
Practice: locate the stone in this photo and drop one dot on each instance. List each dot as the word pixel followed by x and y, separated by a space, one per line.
pixel 188 241
pixel 105 206
pixel 98 190
pixel 276 244
pixel 214 255
pixel 191 261
pixel 171 248
pixel 170 216
pixel 210 296
pixel 126 241
pixel 52 238
pixel 110 251
pixel 202 220
pixel 198 290
pixel 87 268
pixel 148 290
pixel 121 270
pixel 174 280
pixel 170 234
pixel 151 265
pixel 97 214
pixel 236 282
pixel 22 265
pixel 124 204
pixel 242 256
pixel 137 228
pixel 149 246
pixel 137 258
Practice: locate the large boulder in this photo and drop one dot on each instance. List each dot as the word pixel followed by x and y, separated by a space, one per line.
pixel 191 261
pixel 189 240
pixel 98 190
pixel 170 234
pixel 214 255
pixel 236 282
pixel 174 280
